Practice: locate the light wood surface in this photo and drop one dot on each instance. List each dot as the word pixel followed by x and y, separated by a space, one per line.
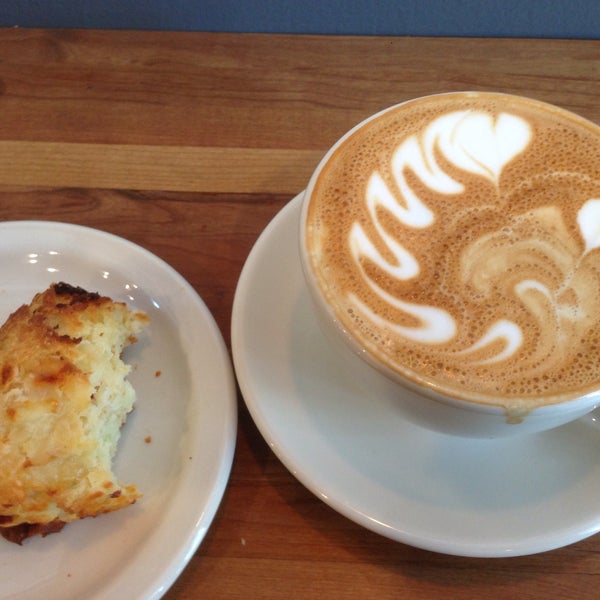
pixel 188 144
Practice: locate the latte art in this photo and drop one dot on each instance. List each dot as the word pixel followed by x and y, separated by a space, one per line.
pixel 470 140
pixel 457 240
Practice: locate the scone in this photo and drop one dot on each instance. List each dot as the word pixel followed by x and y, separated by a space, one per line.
pixel 63 399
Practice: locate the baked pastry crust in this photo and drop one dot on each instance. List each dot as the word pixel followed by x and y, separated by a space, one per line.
pixel 63 399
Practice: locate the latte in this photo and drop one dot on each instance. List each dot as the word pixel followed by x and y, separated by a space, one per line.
pixel 457 239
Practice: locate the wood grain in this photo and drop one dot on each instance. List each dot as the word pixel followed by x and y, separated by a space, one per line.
pixel 171 168
pixel 188 144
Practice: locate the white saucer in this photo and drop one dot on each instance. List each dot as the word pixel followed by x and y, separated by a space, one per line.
pixel 178 443
pixel 441 493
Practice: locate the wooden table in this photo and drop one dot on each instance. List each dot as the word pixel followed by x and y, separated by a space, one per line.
pixel 188 144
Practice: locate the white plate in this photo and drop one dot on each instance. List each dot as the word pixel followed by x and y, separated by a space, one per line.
pixel 441 493
pixel 178 444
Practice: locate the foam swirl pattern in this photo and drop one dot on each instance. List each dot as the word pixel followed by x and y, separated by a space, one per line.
pixel 457 239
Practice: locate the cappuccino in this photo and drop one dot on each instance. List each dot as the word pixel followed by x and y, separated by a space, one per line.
pixel 456 239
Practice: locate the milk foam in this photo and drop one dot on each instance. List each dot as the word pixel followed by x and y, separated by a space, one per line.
pixel 588 219
pixel 507 332
pixel 474 142
pixel 465 258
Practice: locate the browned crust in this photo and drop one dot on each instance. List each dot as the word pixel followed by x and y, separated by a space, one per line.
pixel 19 533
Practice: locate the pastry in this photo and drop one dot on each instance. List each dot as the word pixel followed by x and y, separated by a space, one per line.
pixel 64 396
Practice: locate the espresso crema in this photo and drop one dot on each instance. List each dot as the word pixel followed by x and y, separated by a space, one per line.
pixel 457 238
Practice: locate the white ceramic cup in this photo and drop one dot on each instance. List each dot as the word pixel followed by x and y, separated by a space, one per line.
pixel 420 404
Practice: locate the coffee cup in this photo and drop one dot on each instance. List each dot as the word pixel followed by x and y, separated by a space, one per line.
pixel 451 247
